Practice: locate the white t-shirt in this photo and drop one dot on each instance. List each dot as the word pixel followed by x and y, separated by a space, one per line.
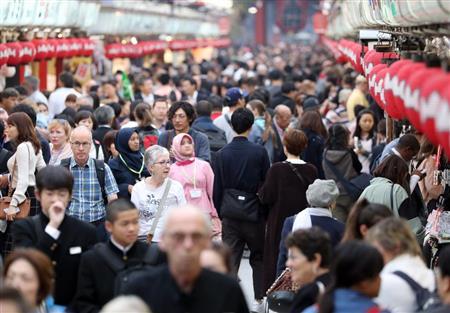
pixel 147 200
pixel 57 98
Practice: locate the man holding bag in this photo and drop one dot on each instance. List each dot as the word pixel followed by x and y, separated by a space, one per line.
pixel 240 169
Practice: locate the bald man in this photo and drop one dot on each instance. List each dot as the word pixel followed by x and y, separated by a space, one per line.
pixel 281 121
pixel 182 285
pixel 94 183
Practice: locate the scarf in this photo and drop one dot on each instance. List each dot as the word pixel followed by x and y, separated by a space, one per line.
pixel 303 219
pixel 176 149
pixel 133 160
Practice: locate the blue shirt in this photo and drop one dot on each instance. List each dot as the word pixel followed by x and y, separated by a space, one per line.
pixel 87 200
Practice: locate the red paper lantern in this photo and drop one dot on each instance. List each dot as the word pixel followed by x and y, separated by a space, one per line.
pixel 113 51
pixel 41 49
pixel 63 48
pixel 391 84
pixel 88 47
pixel 51 46
pixel 379 87
pixel 27 52
pixel 430 102
pixel 402 76
pixel 75 47
pixel 412 94
pixel 4 55
pixel 357 50
pixel 442 118
pixel 372 76
pixel 14 53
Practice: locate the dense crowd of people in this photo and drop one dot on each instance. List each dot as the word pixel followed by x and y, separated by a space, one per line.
pixel 146 201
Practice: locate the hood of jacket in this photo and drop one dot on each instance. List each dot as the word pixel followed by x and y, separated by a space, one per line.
pixel 336 156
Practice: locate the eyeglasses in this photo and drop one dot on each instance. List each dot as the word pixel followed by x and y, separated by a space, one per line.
pixel 83 145
pixel 167 162
pixel 181 237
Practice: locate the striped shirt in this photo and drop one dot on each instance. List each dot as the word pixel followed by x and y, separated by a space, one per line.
pixel 87 201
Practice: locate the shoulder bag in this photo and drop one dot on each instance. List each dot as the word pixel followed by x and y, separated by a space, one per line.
pixel 5 202
pixel 159 211
pixel 296 172
pixel 354 186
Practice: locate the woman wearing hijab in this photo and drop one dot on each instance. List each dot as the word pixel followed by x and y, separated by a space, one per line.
pixel 128 167
pixel 196 177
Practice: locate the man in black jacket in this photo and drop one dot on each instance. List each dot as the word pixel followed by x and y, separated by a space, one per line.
pixel 183 286
pixel 286 97
pixel 240 169
pixel 61 237
pixel 100 266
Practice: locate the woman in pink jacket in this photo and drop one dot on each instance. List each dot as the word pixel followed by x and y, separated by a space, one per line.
pixel 197 178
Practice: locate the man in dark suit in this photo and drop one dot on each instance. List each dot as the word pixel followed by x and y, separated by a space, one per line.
pixel 240 169
pixel 61 237
pixel 100 266
pixel 183 286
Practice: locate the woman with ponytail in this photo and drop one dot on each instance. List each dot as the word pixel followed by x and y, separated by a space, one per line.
pixel 340 155
pixel 355 280
pixel 363 216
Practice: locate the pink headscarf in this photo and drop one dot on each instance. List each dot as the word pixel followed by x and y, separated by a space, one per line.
pixel 176 149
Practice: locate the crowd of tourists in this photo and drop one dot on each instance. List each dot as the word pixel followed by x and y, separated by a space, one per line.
pixel 143 191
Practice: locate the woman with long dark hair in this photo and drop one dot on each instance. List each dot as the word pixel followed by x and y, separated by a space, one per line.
pixel 362 217
pixel 22 166
pixel 364 137
pixel 339 154
pixel 311 124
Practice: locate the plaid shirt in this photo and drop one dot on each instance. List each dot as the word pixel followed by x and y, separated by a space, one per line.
pixel 87 202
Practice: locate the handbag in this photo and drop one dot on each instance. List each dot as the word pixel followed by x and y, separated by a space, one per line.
pixel 280 296
pixel 240 205
pixel 159 211
pixel 354 186
pixel 5 202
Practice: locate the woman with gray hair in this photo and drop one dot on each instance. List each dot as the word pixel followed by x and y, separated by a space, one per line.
pixel 321 196
pixel 156 195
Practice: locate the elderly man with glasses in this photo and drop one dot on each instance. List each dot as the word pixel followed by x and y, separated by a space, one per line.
pixel 94 182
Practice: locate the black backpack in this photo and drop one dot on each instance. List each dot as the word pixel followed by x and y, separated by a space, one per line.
pixel 100 171
pixel 425 299
pixel 217 139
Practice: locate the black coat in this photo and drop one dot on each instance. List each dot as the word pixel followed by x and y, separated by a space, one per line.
pixel 240 165
pixel 212 293
pixel 96 277
pixel 65 252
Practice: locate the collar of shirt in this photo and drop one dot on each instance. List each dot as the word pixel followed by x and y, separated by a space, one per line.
pixel 278 128
pixel 73 163
pixel 120 247
pixel 296 161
